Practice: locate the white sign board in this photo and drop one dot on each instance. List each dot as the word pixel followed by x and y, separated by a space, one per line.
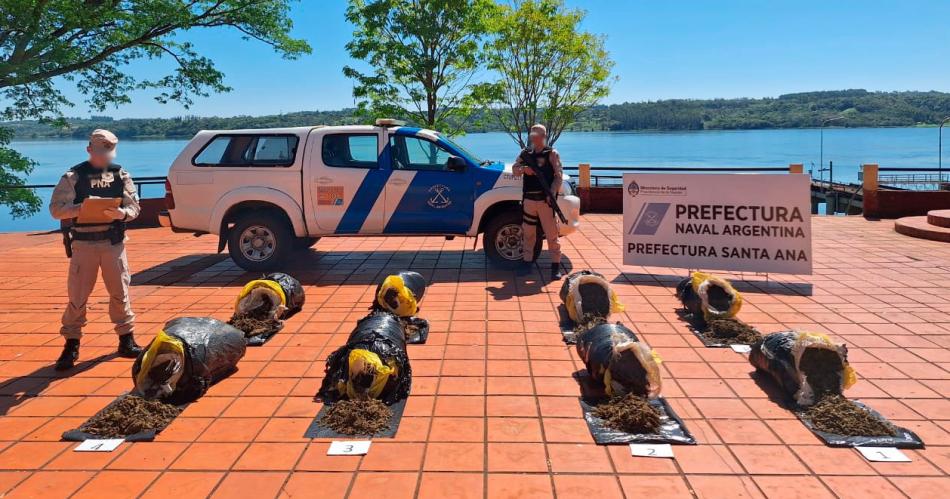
pixel 740 222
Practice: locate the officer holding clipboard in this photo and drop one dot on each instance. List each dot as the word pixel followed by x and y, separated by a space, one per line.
pixel 93 201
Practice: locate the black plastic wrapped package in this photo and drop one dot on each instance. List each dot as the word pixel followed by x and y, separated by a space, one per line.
pixel 587 295
pixel 721 299
pixel 615 357
pixel 212 350
pixel 400 293
pixel 781 354
pixel 293 291
pixel 373 362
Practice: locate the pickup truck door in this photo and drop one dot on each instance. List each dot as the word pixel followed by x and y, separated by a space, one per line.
pixel 423 196
pixel 347 182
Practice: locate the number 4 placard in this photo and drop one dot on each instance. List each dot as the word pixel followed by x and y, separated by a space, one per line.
pixel 349 448
pixel 99 445
pixel 651 450
pixel 883 454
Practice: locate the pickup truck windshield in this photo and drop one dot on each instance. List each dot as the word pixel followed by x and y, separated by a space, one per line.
pixel 468 155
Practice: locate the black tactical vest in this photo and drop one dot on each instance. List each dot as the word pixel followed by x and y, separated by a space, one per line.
pixel 540 162
pixel 92 181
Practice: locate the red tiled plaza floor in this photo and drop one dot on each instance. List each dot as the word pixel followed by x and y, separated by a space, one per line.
pixel 493 411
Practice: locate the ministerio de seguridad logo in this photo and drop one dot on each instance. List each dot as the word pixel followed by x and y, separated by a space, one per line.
pixel 633 189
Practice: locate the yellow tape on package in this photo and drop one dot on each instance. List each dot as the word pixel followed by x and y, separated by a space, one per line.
pixel 574 301
pixel 260 283
pixel 162 344
pixel 363 361
pixel 406 305
pixel 701 281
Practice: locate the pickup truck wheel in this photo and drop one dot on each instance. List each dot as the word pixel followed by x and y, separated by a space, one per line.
pixel 260 242
pixel 503 240
pixel 302 243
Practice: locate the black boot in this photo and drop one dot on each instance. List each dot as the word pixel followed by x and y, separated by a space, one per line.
pixel 70 355
pixel 127 347
pixel 556 274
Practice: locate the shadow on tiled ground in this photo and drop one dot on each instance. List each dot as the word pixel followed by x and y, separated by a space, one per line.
pixel 493 411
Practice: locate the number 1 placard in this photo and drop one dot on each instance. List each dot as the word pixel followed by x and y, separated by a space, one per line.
pixel 883 454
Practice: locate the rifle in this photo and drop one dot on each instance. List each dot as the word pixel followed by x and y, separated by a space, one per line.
pixel 552 198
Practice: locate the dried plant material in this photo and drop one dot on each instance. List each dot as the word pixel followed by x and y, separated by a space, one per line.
pixel 731 332
pixel 357 417
pixel 840 416
pixel 130 415
pixel 629 413
pixel 257 321
pixel 589 321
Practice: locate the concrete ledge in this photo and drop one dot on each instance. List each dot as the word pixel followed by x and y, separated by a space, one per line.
pixel 940 218
pixel 918 227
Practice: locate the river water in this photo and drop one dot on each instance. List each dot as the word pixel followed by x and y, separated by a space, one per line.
pixel 847 148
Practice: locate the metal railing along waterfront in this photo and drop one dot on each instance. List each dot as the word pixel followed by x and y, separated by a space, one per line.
pixel 911 178
pixel 138 181
pixel 612 176
pixel 926 179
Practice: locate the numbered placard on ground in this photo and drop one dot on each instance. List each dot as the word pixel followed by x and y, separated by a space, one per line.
pixel 97 445
pixel 651 450
pixel 883 454
pixel 349 447
pixel 738 348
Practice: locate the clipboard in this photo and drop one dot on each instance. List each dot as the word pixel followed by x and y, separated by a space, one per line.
pixel 92 210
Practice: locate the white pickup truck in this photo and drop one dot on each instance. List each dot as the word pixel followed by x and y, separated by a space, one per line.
pixel 267 192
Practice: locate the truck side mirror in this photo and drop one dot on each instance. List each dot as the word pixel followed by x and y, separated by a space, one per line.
pixel 455 164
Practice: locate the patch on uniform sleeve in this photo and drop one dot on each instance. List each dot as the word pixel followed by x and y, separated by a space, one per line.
pixel 330 195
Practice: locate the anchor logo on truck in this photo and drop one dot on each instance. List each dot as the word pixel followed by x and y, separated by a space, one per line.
pixel 439 196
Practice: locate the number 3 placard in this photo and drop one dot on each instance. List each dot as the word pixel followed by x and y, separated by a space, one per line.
pixel 349 448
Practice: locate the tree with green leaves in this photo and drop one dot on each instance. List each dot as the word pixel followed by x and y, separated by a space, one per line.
pixel 550 70
pixel 425 56
pixel 89 44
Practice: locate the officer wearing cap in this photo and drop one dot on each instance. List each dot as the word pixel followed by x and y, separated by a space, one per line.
pixel 539 163
pixel 96 246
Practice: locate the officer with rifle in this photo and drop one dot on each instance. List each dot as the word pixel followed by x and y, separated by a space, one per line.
pixel 97 244
pixel 540 168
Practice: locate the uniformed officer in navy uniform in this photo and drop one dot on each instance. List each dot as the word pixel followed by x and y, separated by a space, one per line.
pixel 536 161
pixel 95 247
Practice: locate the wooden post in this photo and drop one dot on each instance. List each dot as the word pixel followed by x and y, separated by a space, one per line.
pixel 870 177
pixel 584 174
pixel 796 168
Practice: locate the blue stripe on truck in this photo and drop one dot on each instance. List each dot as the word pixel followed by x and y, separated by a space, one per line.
pixel 366 195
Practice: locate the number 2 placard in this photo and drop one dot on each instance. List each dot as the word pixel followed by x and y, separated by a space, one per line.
pixel 651 450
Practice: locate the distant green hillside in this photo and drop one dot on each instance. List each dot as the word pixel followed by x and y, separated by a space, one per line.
pixel 859 107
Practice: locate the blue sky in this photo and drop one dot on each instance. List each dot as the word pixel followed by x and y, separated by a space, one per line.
pixel 662 50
